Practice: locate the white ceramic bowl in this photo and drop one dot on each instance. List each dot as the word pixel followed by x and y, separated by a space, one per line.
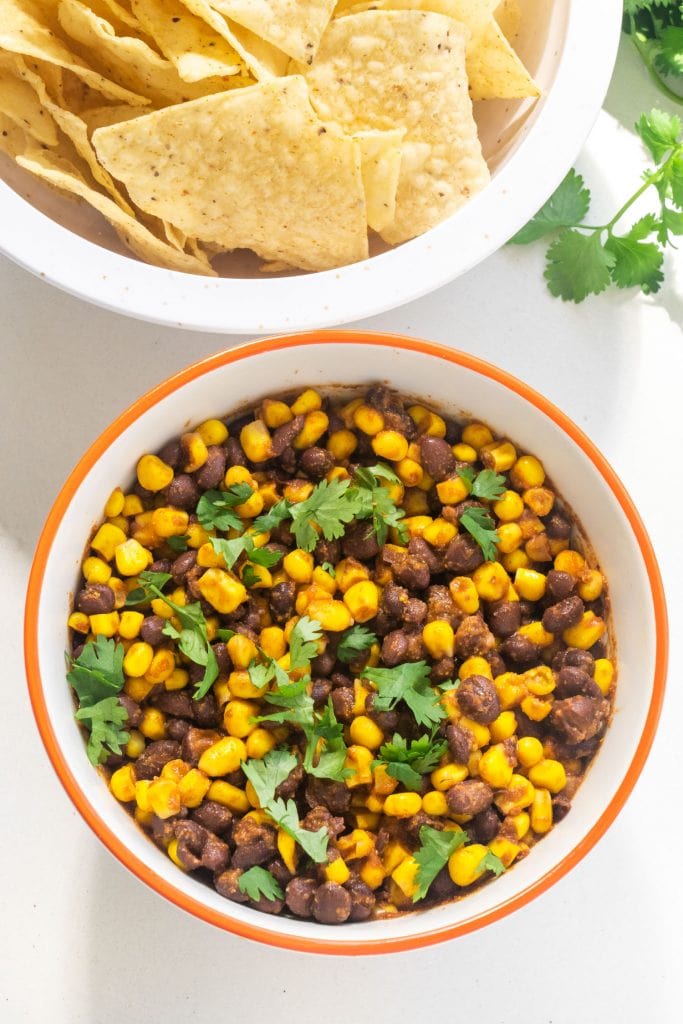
pixel 569 45
pixel 456 383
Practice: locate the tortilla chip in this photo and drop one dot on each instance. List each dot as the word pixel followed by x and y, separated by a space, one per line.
pixel 381 70
pixel 101 117
pixel 508 14
pixel 380 154
pixel 138 239
pixel 129 60
pixel 294 27
pixel 75 129
pixel 292 191
pixel 262 59
pixel 476 14
pixel 13 139
pixel 193 48
pixel 494 69
pixel 19 103
pixel 23 31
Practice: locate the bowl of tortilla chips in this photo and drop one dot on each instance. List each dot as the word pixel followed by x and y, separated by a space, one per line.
pixel 256 165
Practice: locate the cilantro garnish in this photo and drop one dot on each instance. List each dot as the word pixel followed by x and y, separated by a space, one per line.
pixel 257 882
pixel 177 544
pixel 273 517
pixel 329 569
pixel 491 862
pixel 231 551
pixel 409 683
pixel 265 776
pixel 330 508
pixel 656 29
pixel 480 525
pixel 104 720
pixel 328 764
pixel 97 676
pixel 353 642
pixel 141 595
pixel 295 703
pixel 433 854
pixel 192 637
pixel 408 762
pixel 303 642
pixel 487 484
pixel 215 509
pixel 583 260
pixel 377 504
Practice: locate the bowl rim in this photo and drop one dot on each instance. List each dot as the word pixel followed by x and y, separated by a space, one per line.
pixel 195 907
pixel 549 141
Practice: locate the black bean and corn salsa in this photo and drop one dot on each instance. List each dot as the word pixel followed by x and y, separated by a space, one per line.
pixel 341 659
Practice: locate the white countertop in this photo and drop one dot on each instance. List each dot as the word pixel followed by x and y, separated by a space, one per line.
pixel 82 940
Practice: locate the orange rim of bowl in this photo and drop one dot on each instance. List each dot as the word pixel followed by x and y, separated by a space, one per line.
pixel 196 907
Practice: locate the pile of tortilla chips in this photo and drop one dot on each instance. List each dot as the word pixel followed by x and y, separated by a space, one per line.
pixel 287 127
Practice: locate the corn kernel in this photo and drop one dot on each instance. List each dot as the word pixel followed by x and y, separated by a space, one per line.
pixel 107 539
pixel 256 441
pixel 405 876
pixel 518 794
pixel 514 560
pixel 495 767
pixel 96 570
pixel 342 444
pixel 212 432
pixel 332 615
pixel 439 639
pixel 288 850
pixel 508 507
pixel 416 525
pixel 477 435
pixel 430 423
pixel 356 844
pixel 315 425
pixel 603 674
pixel 135 745
pixel 104 624
pixel 222 590
pixel 362 600
pixel 79 622
pixel 452 491
pixel 161 667
pixel 137 659
pixel 137 689
pixel 504 726
pixel 223 757
pixel 464 452
pixel 359 760
pixel 337 871
pixel 366 733
pixel 153 724
pixel 348 572
pixel 590 587
pixel 409 472
pixel 164 798
pixel 194 450
pixel 535 708
pixel 259 743
pixel 237 717
pixel 298 565
pixel 509 538
pixel 571 562
pixel 491 581
pixel 372 872
pixel 480 733
pixel 132 505
pixel 122 783
pixel 535 632
pixel 177 680
pixel 391 445
pixel 475 666
pixel 229 796
pixel 505 850
pixel 272 641
pixel 510 689
pixel 498 456
pixel 586 633
pixel 153 474
pixel 542 812
pixel 114 504
pixel 448 775
pixel 521 823
pixel 172 851
pixel 529 751
pixel 129 624
pixel 530 584
pixel 540 500
pixel 382 782
pixel 435 803
pixel 242 650
pixel 549 774
pixel 464 594
pixel 193 787
pixel 464 864
pixel 527 472
pixel 275 414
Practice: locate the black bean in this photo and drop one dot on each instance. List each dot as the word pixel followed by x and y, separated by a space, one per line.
pixel 183 492
pixel 478 699
pixel 284 435
pixel 171 453
pixel 95 599
pixel 437 457
pixel 557 527
pixel 182 565
pixel 459 743
pixel 331 904
pixel 562 615
pixel 469 797
pixel 505 618
pixel 316 462
pixel 299 896
pixel 559 584
pixel 151 630
pixel 212 472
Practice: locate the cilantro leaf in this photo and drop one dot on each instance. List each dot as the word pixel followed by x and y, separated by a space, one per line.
pixel 329 569
pixel 215 509
pixel 257 882
pixel 231 550
pixel 273 517
pixel 303 642
pixel 353 642
pixel 491 862
pixel 480 525
pixel 567 206
pixel 151 583
pixel 104 721
pixel 267 773
pixel 409 683
pixel 328 763
pixel 488 485
pixel 286 815
pixel 635 263
pixel 248 575
pixel 178 544
pixel 295 703
pixel 329 508
pixel 659 131
pixel 408 762
pixel 376 502
pixel 433 854
pixel 669 58
pixel 98 670
pixel 577 265
pixel 265 557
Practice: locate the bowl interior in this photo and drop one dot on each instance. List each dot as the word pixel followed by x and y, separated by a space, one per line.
pixel 228 382
pixel 502 126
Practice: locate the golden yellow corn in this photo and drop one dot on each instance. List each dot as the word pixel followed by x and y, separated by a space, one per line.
pixel 491 581
pixel 464 864
pixel 223 757
pixel 137 659
pixel 135 745
pixel 366 733
pixel 495 767
pixel 503 727
pixel 405 876
pixel 194 451
pixel 193 787
pixel 435 803
pixel 362 600
pixel 287 849
pixel 222 590
pixel 448 775
pixel 372 872
pixel 275 414
pixel 439 639
pixel 104 624
pixel 332 615
pixel 518 795
pixel 164 798
pixel 542 812
pixel 586 633
pixel 337 871
pixel 530 584
pixel 359 760
pixel 256 441
pixel 603 674
pixel 229 796
pixel 464 594
pixel 548 774
pixel 153 474
pixel 529 751
pixel 298 565
pixel 237 717
pixel 452 491
pixel 107 539
pixel 527 472
pixel 391 445
pixel 122 783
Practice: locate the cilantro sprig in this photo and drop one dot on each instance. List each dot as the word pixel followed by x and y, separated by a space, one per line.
pixel 585 259
pixel 487 484
pixel 216 509
pixel 656 29
pixel 491 862
pixel 257 882
pixel 433 854
pixel 376 501
pixel 97 677
pixel 192 637
pixel 265 776
pixel 355 641
pixel 480 525
pixel 409 683
pixel 409 761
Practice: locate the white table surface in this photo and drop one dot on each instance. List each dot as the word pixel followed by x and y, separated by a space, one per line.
pixel 82 940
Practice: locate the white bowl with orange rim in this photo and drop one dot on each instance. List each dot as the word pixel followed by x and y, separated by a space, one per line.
pixel 457 384
pixel 569 46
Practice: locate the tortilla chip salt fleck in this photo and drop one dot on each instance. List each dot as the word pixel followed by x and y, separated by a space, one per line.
pixel 379 70
pixel 209 167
